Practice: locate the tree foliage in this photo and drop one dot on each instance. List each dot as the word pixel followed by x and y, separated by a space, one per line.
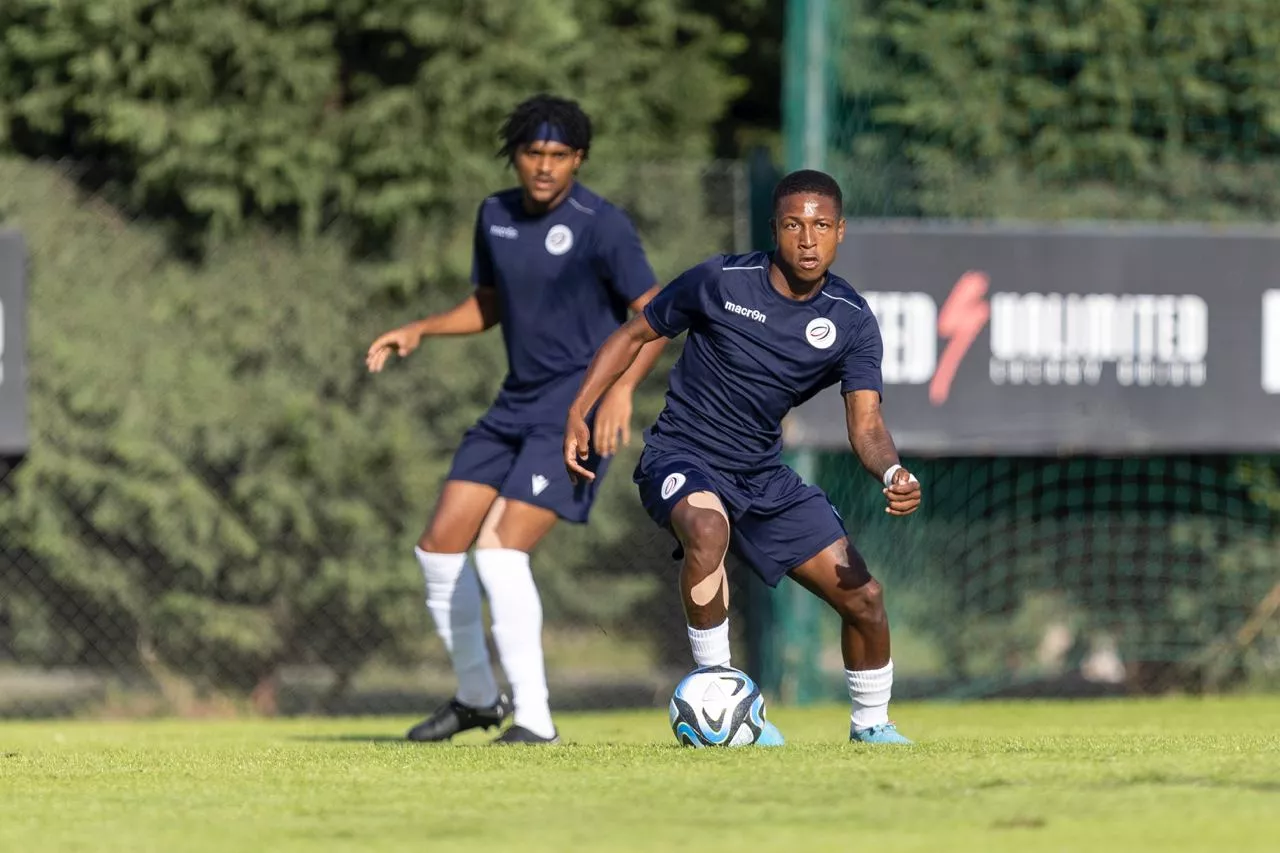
pixel 375 110
pixel 216 488
pixel 1134 109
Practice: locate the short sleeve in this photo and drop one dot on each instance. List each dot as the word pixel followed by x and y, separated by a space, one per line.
pixel 860 370
pixel 620 256
pixel 678 305
pixel 481 257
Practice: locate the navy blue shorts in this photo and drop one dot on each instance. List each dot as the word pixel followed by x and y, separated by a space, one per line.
pixel 526 463
pixel 777 522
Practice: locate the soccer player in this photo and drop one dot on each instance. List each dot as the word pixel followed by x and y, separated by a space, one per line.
pixel 766 332
pixel 557 267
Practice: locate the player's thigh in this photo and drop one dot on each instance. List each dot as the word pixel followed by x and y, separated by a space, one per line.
pixel 538 479
pixel 481 463
pixel 788 525
pixel 516 525
pixel 686 497
pixel 458 516
pixel 839 576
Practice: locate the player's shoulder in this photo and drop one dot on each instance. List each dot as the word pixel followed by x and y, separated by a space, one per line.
pixel 843 304
pixel 502 205
pixel 747 265
pixel 594 210
pixel 713 270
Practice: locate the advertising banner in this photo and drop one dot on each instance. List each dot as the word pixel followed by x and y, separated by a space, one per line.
pixel 1035 340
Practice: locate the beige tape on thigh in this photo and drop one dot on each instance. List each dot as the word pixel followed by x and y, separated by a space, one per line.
pixel 488 535
pixel 718 581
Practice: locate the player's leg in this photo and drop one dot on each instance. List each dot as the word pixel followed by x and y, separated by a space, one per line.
pixel 701 524
pixel 536 493
pixel 839 576
pixel 792 529
pixel 512 530
pixel 689 499
pixel 453 590
pixel 685 497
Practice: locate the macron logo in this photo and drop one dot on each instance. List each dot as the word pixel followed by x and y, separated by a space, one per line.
pixel 745 312
pixel 539 484
pixel 504 231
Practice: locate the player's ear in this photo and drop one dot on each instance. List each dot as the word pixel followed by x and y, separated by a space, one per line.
pixel 577 160
pixel 773 229
pixel 840 230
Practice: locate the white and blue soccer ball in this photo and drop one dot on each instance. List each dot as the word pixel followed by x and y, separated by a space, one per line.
pixel 717 706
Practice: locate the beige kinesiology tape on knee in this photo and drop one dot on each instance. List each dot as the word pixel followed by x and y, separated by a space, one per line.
pixel 705 590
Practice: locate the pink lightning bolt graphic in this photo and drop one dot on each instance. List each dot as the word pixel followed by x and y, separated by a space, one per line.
pixel 961 319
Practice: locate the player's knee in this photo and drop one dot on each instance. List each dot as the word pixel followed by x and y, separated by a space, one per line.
pixel 430 543
pixel 862 605
pixel 705 534
pixel 442 541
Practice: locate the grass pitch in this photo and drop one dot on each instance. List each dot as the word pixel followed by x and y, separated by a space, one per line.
pixel 1167 776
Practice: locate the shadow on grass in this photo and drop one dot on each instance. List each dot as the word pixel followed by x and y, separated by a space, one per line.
pixel 362 738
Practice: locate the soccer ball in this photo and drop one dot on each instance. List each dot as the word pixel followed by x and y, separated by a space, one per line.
pixel 717 706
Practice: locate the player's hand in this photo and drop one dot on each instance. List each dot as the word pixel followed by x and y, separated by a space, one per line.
pixel 613 422
pixel 903 493
pixel 401 341
pixel 577 448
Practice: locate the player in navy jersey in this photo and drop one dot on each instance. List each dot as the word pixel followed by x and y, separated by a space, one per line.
pixel 766 332
pixel 557 267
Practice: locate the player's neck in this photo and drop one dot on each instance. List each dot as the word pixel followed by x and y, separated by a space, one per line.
pixel 535 208
pixel 790 287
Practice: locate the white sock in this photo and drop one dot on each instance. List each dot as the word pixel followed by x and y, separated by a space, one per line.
pixel 869 691
pixel 453 597
pixel 710 645
pixel 517 631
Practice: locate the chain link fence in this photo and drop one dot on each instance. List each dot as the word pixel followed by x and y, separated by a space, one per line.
pixel 219 506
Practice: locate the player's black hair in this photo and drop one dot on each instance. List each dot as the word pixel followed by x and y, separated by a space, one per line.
pixel 521 127
pixel 808 181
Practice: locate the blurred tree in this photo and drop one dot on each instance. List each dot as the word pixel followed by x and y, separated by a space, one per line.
pixel 380 110
pixel 755 116
pixel 1105 109
pixel 216 489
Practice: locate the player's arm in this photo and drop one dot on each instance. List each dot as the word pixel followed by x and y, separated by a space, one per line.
pixel 615 357
pixel 861 382
pixel 613 420
pixel 871 441
pixel 667 313
pixel 649 353
pixel 621 259
pixel 473 315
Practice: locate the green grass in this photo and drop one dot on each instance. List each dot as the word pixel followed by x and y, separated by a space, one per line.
pixel 1175 775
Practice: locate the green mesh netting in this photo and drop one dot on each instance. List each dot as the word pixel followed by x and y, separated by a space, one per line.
pixel 1079 576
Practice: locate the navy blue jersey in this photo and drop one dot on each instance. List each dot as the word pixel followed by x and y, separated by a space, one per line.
pixel 753 355
pixel 564 281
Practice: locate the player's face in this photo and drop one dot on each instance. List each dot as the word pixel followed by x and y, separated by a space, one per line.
pixel 807 228
pixel 546 169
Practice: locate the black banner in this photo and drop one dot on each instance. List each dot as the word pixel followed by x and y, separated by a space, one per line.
pixel 1038 340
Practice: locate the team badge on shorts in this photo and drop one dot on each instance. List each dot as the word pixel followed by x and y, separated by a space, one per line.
pixel 820 333
pixel 559 239
pixel 671 485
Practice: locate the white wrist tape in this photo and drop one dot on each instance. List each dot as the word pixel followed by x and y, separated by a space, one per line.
pixel 893 469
